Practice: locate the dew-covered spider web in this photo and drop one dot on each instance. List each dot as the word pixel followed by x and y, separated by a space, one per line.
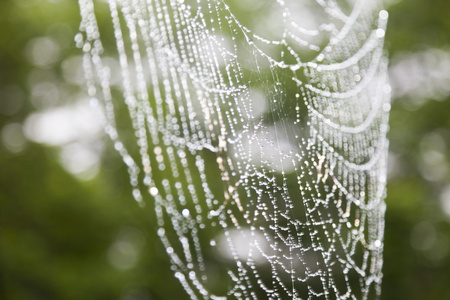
pixel 257 131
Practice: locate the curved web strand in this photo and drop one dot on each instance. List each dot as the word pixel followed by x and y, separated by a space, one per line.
pixel 257 131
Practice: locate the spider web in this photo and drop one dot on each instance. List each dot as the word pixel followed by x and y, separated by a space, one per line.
pixel 257 130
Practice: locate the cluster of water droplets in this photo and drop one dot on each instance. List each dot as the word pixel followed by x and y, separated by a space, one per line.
pixel 257 130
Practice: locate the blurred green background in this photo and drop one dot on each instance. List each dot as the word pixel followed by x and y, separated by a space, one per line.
pixel 71 230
